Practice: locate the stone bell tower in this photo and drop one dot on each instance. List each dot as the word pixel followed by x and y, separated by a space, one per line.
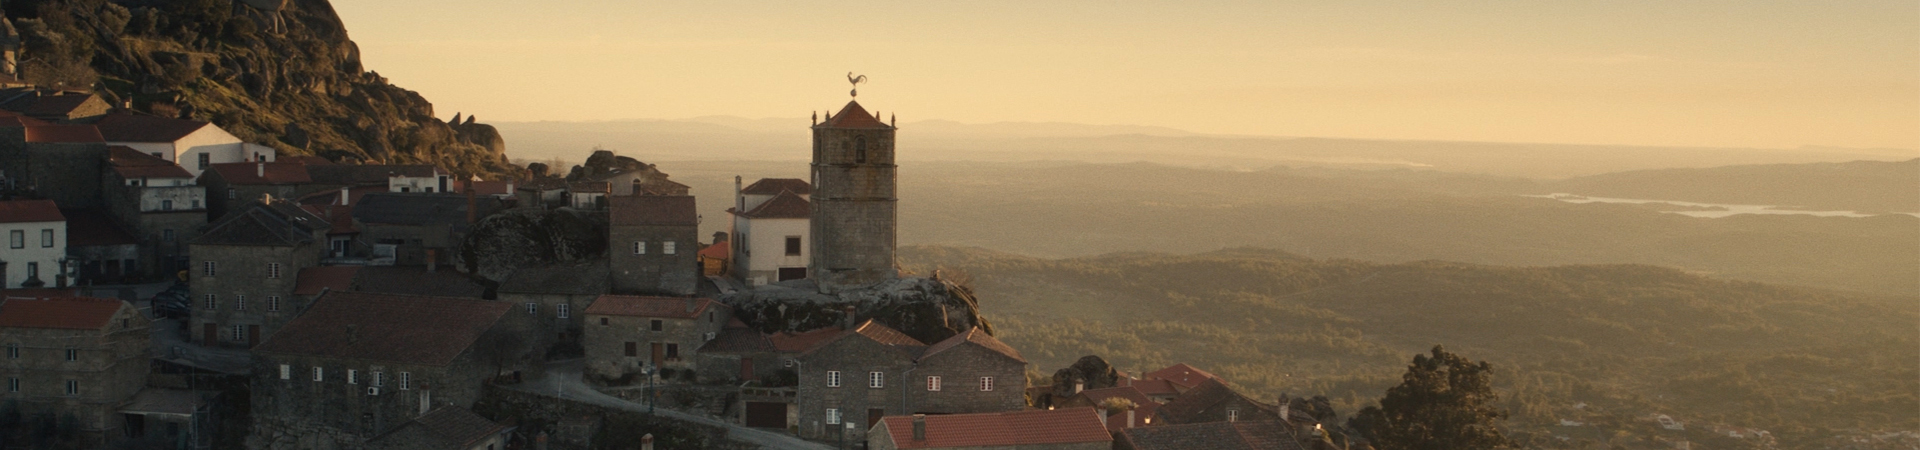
pixel 854 205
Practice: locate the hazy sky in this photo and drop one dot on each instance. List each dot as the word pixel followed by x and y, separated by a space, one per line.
pixel 1756 73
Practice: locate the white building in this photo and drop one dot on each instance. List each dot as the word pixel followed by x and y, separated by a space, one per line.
pixel 420 178
pixel 193 144
pixel 770 226
pixel 35 246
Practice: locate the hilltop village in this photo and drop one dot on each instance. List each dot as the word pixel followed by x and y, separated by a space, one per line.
pixel 307 303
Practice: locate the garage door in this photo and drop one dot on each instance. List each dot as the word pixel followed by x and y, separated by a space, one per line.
pixel 766 414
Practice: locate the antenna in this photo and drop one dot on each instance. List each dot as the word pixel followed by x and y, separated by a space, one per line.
pixel 855 80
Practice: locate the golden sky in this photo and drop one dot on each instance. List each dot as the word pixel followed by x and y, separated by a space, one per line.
pixel 1748 73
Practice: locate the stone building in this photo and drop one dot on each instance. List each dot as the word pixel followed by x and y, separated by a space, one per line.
pixel 401 178
pixel 159 202
pixel 244 270
pixel 36 244
pixel 556 298
pixel 854 378
pixel 230 185
pixel 446 428
pixel 626 333
pixel 1183 377
pixel 59 106
pixel 653 242
pixel 854 202
pixel 194 145
pixel 62 163
pixel 73 357
pixel 99 251
pixel 357 365
pixel 1057 429
pixel 1213 401
pixel 419 229
pixel 1140 415
pixel 771 231
pixel 971 372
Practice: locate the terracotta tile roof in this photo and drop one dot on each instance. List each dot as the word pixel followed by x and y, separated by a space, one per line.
pixel 450 427
pixel 314 280
pixel 401 329
pixel 34 293
pixel 574 279
pixel 1182 374
pixel 652 210
pixel 869 329
pixel 1155 387
pixel 974 336
pixel 71 313
pixel 127 127
pixel 416 280
pixel 63 133
pixel 133 164
pixel 1203 397
pixel 787 205
pixel 17 211
pixel 17 121
pixel 1142 416
pixel 773 186
pixel 87 228
pixel 1142 412
pixel 1243 435
pixel 738 340
pixel 249 173
pixel 339 217
pixel 785 342
pixel 412 208
pixel 663 307
pixel 359 174
pixel 1033 427
pixel 884 334
pixel 719 250
pixel 853 116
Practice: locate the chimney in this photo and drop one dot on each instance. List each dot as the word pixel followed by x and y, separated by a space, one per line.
pixel 1102 413
pixel 433 263
pixel 353 333
pixel 919 427
pixel 260 169
pixel 646 441
pixel 1285 409
pixel 1129 418
pixel 740 203
pixel 1079 385
pixel 345 198
pixel 846 320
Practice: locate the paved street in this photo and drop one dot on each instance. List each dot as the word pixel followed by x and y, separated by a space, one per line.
pixel 563 379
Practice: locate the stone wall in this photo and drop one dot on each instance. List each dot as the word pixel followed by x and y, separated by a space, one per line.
pixel 855 357
pixel 133 208
pixel 243 270
pixel 655 272
pixel 607 336
pixel 300 413
pixel 854 214
pixel 545 328
pixel 960 369
pixel 67 173
pixel 108 369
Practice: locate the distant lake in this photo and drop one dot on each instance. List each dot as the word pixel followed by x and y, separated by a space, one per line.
pixel 1708 210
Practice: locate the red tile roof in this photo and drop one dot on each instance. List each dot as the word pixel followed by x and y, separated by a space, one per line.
pixel 870 329
pixel 652 210
pixel 87 228
pixel 1208 394
pixel 314 280
pixel 10 120
pixel 1033 427
pixel 798 342
pixel 133 164
pixel 1142 413
pixel 1155 387
pixel 403 329
pixel 1182 374
pixel 663 307
pixel 73 313
pixel 128 127
pixel 39 293
pixel 17 211
pixel 884 334
pixel 63 133
pixel 719 250
pixel 974 336
pixel 787 205
pixel 853 116
pixel 251 172
pixel 773 186
pixel 1241 435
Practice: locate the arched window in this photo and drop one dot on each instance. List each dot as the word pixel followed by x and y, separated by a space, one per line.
pixel 859 149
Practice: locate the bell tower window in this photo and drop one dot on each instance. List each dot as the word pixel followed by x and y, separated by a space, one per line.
pixel 859 149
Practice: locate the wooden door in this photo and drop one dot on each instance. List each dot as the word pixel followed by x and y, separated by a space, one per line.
pixel 253 335
pixel 766 415
pixel 659 353
pixel 746 368
pixel 212 334
pixel 873 417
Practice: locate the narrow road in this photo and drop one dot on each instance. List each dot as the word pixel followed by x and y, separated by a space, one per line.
pixel 563 380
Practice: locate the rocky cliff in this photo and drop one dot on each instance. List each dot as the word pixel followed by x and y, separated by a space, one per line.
pixel 276 72
pixel 928 309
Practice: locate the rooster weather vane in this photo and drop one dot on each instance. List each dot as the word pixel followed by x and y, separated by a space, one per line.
pixel 855 80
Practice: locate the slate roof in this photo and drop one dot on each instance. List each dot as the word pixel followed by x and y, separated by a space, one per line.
pixel 63 134
pixel 280 223
pixel 358 174
pixel 86 228
pixel 853 116
pixel 573 279
pixel 416 280
pixel 252 173
pixel 773 186
pixel 643 210
pixel 662 307
pixel 128 127
pixel 1032 427
pixel 19 211
pixel 448 428
pixel 398 208
pixel 975 336
pixel 1207 395
pixel 1183 375
pixel 401 329
pixel 787 205
pixel 308 160
pixel 314 280
pixel 1243 435
pixel 70 313
pixel 133 164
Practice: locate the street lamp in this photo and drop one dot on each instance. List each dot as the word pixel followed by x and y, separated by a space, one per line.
pixel 648 371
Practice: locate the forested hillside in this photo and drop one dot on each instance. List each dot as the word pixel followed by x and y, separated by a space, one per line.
pixel 1627 340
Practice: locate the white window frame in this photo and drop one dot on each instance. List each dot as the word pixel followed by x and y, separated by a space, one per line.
pixel 17 239
pixel 379 378
pixel 212 302
pixel 667 248
pixel 286 372
pixel 833 416
pixel 933 383
pixel 406 380
pixel 833 378
pixel 73 387
pixel 273 303
pixel 561 311
pixel 319 374
pixel 239 333
pixel 986 384
pixel 533 308
pixel 209 268
pixel 877 380
pixel 273 270
pixel 239 302
pixel 46 238
pixel 1233 415
pixel 639 247
pixel 73 354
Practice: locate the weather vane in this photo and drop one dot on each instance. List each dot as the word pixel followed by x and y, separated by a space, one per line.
pixel 855 81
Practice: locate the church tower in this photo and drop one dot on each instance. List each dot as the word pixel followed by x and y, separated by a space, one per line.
pixel 854 205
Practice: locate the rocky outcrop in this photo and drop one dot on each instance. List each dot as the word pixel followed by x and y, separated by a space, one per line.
pixel 529 238
pixel 275 72
pixel 927 309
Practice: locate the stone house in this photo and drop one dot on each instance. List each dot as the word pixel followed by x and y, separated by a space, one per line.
pixel 1213 401
pixel 53 104
pixel 545 193
pixel 244 268
pixel 849 381
pixel 771 230
pixel 194 145
pixel 399 178
pixel 588 195
pixel 1182 376
pixel 626 333
pixel 357 365
pixel 653 242
pixel 445 428
pixel 229 185
pixel 159 202
pixel 62 163
pixel 1056 429
pixel 99 251
pixel 555 298
pixel 35 250
pixel 77 357
pixel 971 372
pixel 1245 435
pixel 419 229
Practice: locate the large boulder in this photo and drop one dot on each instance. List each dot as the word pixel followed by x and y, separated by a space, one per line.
pixel 527 237
pixel 927 309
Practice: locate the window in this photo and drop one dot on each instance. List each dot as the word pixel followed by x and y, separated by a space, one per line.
pixel 196 204
pixel 17 239
pixel 986 383
pixel 46 238
pixel 273 270
pixel 603 321
pixel 166 205
pixel 1233 415
pixel 859 149
pixel 208 268
pixel 212 301
pixel 73 355
pixel 286 371
pixel 240 334
pixel 793 246
pixel 33 270
pixel 353 376
pixel 666 247
pixel 933 383
pixel 656 325
pixel 166 235
pixel 673 351
pixel 633 349
pixel 135 183
pixel 639 247
pixel 205 160
pixel 73 387
pixel 833 378
pixel 318 373
pixel 13 351
pixel 13 384
pixel 232 194
pixel 833 416
pixel 379 378
pixel 876 380
pixel 560 311
pixel 406 381
pixel 239 302
pixel 273 303
pixel 533 308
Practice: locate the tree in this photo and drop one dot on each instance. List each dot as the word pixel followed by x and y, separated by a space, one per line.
pixel 1444 402
pixel 501 348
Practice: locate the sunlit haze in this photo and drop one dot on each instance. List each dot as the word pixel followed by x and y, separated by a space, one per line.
pixel 1702 73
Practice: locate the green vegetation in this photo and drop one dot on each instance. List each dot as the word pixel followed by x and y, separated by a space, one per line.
pixel 1445 402
pixel 1601 344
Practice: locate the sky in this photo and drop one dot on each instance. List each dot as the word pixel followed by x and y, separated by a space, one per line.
pixel 1749 73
